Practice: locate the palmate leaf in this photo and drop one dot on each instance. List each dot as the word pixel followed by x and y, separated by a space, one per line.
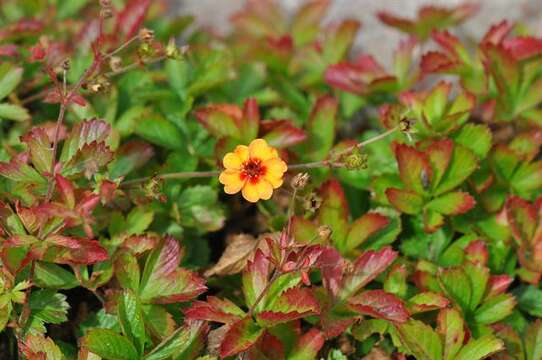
pixel 163 281
pixel 421 340
pixel 40 347
pixel 379 304
pixel 320 129
pixel 84 133
pixel 292 304
pixel 46 306
pixel 131 319
pixel 184 343
pixel 308 345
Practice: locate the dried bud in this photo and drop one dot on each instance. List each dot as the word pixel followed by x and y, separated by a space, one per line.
pixel 146 35
pixel 312 202
pixel 356 160
pixel 300 181
pixel 66 64
pixel 324 232
pixel 106 13
pixel 99 84
pixel 405 125
pixel 153 189
pixel 115 63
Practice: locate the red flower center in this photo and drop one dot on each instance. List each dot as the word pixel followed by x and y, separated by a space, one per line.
pixel 253 170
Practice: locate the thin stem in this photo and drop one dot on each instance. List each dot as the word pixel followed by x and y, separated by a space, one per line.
pixel 309 165
pixel 120 48
pixel 133 66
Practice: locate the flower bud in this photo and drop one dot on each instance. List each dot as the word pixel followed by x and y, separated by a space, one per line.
pixel 405 125
pixel 300 181
pixel 355 160
pixel 324 232
pixel 172 51
pixel 145 50
pixel 115 63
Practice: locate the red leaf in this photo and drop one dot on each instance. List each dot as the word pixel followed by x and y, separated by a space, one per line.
pixel 66 191
pixel 221 120
pixel 214 309
pixel 309 344
pixel 130 19
pixel 439 153
pixel 282 133
pixel 71 250
pixel 366 268
pixel 9 50
pixel 355 77
pixel 381 305
pixel 332 266
pixel 240 337
pixel 497 33
pixel 523 48
pixel 334 210
pixel 498 284
pixel 476 252
pixel 138 244
pixel 255 277
pixel 434 61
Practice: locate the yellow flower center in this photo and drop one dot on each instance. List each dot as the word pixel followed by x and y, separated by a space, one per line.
pixel 252 170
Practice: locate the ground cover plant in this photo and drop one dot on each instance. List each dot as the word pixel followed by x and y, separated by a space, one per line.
pixel 268 194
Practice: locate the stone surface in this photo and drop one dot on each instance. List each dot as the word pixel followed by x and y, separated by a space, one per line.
pixel 374 37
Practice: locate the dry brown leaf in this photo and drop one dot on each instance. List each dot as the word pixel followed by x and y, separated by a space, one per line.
pixel 214 339
pixel 239 249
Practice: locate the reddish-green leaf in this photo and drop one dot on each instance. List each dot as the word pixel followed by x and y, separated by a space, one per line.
pixel 366 267
pixel 480 348
pixel 39 146
pixel 495 309
pixel 334 211
pixel 363 228
pixel 215 309
pixel 406 201
pixel 306 23
pixel 451 328
pixel 414 168
pixel 292 304
pixel 308 346
pixel 427 301
pixel 240 337
pixel 163 281
pixel 452 203
pixel 421 340
pixel 320 129
pixel 379 304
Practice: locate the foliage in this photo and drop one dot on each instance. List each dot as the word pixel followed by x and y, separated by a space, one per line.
pixel 390 213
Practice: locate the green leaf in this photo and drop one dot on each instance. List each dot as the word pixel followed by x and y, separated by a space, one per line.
pixel 13 112
pixel 52 276
pixel 127 271
pixel 451 327
pixel 363 228
pixel 533 341
pixel 456 284
pixel 388 234
pixel 421 340
pixel 405 201
pixel 10 77
pixel 495 309
pixel 161 132
pixel 131 319
pixel 334 212
pixel 109 345
pixel 68 8
pixel 182 343
pixel 462 164
pixel 320 129
pixel 480 348
pixel 138 220
pixel 476 137
pixel 530 300
pixel 199 208
pixel 47 306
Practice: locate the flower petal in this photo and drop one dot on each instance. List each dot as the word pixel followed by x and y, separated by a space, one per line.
pixel 274 181
pixel 235 159
pixel 259 190
pixel 231 180
pixel 259 149
pixel 275 167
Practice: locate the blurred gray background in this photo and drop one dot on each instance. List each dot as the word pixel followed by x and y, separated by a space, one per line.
pixel 374 37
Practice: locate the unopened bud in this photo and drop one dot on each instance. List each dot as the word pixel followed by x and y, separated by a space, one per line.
pixel 101 83
pixel 105 3
pixel 288 266
pixel 146 35
pixel 172 51
pixel 356 161
pixel 115 63
pixel 300 181
pixel 145 50
pixel 324 232
pixel 106 13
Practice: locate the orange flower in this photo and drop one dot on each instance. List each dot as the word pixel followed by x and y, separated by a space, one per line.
pixel 255 170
